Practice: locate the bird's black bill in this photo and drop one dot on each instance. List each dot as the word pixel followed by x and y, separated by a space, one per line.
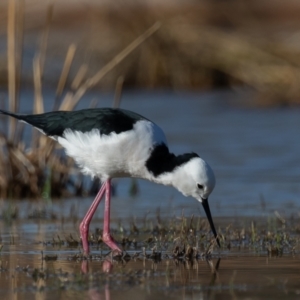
pixel 210 220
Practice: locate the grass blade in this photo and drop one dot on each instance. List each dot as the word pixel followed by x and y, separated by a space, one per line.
pixel 11 64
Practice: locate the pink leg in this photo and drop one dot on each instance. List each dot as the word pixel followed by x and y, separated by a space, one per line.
pixel 84 266
pixel 85 224
pixel 107 239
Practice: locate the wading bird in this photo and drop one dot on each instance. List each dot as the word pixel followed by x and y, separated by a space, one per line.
pixel 109 143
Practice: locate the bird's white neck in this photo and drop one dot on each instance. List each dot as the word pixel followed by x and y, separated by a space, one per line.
pixel 175 179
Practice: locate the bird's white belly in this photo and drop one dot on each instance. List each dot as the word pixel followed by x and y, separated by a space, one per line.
pixel 113 155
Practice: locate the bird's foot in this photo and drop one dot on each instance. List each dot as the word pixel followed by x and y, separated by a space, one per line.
pixel 109 241
pixel 86 254
pixel 114 255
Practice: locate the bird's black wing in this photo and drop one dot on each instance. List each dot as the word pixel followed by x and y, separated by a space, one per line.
pixel 107 120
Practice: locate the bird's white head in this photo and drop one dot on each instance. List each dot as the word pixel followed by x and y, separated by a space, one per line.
pixel 195 178
pixel 192 177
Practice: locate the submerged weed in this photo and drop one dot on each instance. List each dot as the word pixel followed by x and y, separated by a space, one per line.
pixel 49 257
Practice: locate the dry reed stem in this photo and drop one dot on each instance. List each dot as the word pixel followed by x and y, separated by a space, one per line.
pixel 71 100
pixel 118 92
pixel 94 103
pixel 19 60
pixel 64 75
pixel 79 77
pixel 38 107
pixel 19 48
pixel 46 147
pixel 44 40
pixel 11 64
pixel 25 162
pixel 66 69
pixel 17 163
pixel 4 172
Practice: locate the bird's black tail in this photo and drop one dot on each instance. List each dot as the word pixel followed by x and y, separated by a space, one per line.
pixel 36 121
pixel 16 116
pixel 48 123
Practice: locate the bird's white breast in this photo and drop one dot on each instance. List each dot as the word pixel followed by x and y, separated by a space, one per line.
pixel 113 155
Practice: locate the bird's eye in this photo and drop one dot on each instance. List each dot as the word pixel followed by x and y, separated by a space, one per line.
pixel 200 186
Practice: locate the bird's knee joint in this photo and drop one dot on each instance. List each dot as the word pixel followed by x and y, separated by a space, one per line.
pixel 106 237
pixel 83 227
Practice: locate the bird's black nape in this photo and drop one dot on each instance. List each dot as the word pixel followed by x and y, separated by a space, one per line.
pixel 162 161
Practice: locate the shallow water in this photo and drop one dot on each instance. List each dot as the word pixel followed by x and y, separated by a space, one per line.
pixel 237 275
pixel 255 155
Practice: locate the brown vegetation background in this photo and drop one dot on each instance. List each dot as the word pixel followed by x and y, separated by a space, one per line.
pixel 200 44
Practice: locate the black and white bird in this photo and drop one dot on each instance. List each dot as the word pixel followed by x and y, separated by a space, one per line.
pixel 109 143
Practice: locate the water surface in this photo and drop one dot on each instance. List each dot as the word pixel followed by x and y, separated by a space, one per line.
pixel 255 155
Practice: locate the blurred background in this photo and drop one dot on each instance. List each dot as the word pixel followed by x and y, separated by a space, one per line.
pixel 221 77
pixel 200 45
